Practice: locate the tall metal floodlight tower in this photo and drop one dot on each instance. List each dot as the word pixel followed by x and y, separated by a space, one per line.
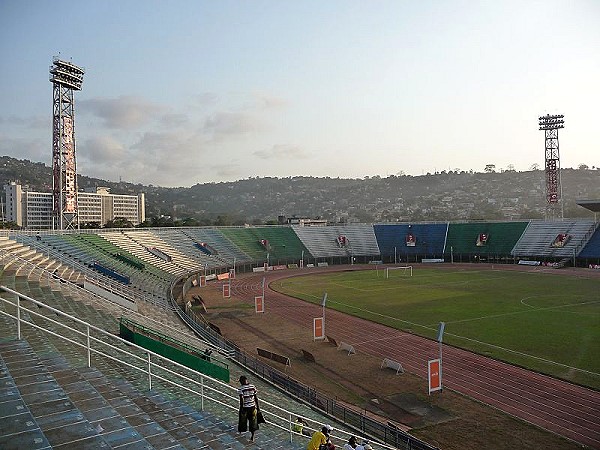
pixel 554 204
pixel 66 78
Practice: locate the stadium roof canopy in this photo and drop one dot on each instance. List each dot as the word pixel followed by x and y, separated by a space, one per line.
pixel 592 205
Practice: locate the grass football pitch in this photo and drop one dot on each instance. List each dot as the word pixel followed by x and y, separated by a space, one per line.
pixel 543 321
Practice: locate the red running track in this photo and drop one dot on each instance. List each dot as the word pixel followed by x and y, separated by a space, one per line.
pixel 558 406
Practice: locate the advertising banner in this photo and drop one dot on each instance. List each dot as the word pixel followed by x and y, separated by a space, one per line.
pixel 434 375
pixel 318 328
pixel 259 304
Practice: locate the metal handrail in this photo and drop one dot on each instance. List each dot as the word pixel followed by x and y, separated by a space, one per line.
pixel 147 364
pixel 278 416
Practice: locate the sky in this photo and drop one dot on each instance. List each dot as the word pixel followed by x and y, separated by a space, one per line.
pixel 184 92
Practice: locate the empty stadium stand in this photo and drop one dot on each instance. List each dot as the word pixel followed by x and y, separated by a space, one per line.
pixel 322 242
pixel 591 250
pixel 429 240
pixel 538 237
pixel 284 245
pixel 187 240
pixel 465 244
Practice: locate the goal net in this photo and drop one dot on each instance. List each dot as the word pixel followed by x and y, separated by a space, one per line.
pixel 404 271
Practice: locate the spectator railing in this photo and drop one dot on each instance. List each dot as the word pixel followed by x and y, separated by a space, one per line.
pixel 98 343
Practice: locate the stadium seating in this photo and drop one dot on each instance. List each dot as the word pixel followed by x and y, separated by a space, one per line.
pixel 78 254
pixel 322 242
pixel 463 239
pixel 80 407
pixel 284 245
pixel 57 400
pixel 592 247
pixel 136 243
pixel 538 238
pixel 186 241
pixel 429 240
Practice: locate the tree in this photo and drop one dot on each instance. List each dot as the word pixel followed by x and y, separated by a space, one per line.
pixel 490 168
pixel 90 225
pixel 145 224
pixel 583 166
pixel 534 166
pixel 9 226
pixel 190 222
pixel 119 222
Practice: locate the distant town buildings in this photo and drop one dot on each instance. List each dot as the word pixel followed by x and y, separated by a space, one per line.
pixel 33 210
pixel 302 221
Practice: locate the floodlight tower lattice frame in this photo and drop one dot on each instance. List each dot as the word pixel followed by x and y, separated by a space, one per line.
pixel 66 78
pixel 550 124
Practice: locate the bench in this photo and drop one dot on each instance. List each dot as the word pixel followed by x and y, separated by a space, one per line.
pixel 274 356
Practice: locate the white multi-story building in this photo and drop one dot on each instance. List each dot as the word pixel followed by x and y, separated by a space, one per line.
pixel 33 210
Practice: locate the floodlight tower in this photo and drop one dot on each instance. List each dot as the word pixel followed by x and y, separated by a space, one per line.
pixel 66 77
pixel 554 204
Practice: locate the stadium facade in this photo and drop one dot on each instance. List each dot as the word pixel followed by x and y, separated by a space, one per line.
pixel 34 210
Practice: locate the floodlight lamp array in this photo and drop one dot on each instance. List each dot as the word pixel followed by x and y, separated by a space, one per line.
pixel 66 74
pixel 551 122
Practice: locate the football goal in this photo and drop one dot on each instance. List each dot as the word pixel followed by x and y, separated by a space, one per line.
pixel 405 271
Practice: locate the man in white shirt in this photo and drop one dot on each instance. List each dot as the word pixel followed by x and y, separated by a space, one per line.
pixel 248 407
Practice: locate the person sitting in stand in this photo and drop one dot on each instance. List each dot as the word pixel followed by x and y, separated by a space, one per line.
pixel 351 445
pixel 298 427
pixel 320 439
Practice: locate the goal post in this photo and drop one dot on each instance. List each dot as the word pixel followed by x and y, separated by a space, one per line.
pixel 406 271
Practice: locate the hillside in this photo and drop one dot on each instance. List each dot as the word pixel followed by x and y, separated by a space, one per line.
pixel 509 195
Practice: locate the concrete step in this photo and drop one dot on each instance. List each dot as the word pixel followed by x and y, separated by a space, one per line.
pixel 54 419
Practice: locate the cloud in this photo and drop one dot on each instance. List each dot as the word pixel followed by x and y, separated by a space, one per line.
pixel 125 112
pixel 205 98
pixel 33 149
pixel 174 120
pixel 12 120
pixel 163 158
pixel 143 141
pixel 267 101
pixel 34 122
pixel 227 124
pixel 168 152
pixel 152 143
pixel 226 170
pixel 103 150
pixel 41 122
pixel 282 151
